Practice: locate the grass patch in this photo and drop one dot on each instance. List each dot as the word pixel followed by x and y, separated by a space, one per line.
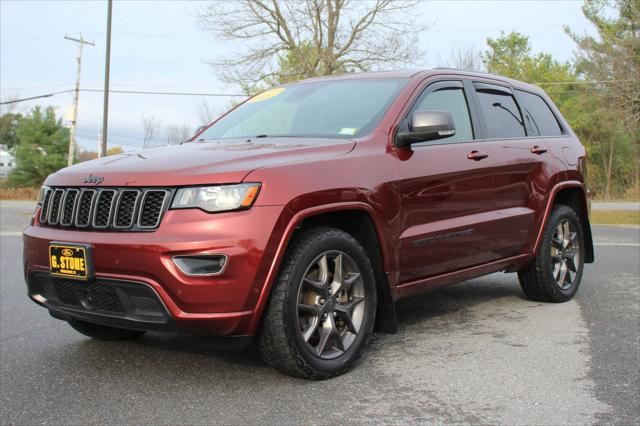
pixel 26 194
pixel 615 217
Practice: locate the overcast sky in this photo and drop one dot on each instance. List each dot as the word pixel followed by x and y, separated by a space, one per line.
pixel 158 46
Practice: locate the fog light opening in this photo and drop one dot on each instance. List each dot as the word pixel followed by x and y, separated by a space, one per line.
pixel 201 265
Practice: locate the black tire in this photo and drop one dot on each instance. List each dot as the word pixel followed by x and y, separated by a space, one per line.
pixel 539 280
pixel 281 342
pixel 103 332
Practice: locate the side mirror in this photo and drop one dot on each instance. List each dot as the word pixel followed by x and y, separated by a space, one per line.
pixel 427 126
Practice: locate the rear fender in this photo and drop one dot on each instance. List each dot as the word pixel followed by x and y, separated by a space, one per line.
pixel 578 201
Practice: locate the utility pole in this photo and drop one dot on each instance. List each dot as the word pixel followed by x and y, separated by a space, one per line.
pixel 105 108
pixel 72 134
pixel 100 144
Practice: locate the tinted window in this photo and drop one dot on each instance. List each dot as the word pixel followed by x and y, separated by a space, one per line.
pixel 453 101
pixel 332 109
pixel 501 113
pixel 538 117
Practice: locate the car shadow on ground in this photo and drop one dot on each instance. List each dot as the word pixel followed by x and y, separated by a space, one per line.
pixel 425 311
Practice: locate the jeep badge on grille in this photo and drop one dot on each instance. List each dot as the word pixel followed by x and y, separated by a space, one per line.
pixel 94 179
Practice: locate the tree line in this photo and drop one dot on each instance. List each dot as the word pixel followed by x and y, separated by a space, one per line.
pixel 598 91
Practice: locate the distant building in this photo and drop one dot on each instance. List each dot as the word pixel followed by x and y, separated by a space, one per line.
pixel 7 162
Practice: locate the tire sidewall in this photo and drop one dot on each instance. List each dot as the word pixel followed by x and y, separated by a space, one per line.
pixel 310 253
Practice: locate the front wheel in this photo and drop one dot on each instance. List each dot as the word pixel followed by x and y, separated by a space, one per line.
pixel 555 274
pixel 322 307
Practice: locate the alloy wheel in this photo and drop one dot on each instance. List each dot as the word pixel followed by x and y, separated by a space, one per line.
pixel 331 304
pixel 565 254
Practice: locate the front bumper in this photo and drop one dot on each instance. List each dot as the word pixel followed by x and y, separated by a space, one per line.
pixel 219 305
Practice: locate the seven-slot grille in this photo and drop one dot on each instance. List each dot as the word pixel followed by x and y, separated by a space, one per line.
pixel 104 209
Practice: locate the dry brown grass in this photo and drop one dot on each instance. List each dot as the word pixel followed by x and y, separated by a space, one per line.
pixel 30 194
pixel 615 217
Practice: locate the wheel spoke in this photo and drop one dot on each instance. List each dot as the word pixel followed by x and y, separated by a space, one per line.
pixel 320 283
pixel 312 309
pixel 323 274
pixel 317 286
pixel 573 239
pixel 337 271
pixel 311 328
pixel 556 258
pixel 562 276
pixel 556 243
pixel 328 334
pixel 348 282
pixel 345 311
pixel 565 233
pixel 571 263
pixel 325 334
pixel 338 342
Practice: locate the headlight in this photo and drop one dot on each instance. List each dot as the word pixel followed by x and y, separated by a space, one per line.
pixel 216 198
pixel 43 191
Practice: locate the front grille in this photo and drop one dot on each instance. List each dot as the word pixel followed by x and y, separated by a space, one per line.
pixel 104 209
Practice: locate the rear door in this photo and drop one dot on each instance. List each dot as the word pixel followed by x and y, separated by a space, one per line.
pixel 446 191
pixel 523 165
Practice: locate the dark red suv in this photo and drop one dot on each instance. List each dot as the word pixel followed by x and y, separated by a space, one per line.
pixel 303 214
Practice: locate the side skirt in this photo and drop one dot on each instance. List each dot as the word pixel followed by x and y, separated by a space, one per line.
pixel 418 286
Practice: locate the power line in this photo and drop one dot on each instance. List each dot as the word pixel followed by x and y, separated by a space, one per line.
pixel 133 92
pixel 142 92
pixel 585 82
pixel 48 95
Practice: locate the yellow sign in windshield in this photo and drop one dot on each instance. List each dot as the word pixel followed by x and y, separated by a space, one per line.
pixel 266 95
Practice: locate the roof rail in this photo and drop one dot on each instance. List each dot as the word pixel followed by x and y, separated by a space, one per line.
pixel 462 70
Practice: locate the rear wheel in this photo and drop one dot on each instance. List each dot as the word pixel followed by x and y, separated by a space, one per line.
pixel 322 307
pixel 103 332
pixel 555 274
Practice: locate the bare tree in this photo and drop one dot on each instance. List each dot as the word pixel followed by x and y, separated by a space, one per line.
pixel 176 134
pixel 206 113
pixel 151 130
pixel 466 58
pixel 290 39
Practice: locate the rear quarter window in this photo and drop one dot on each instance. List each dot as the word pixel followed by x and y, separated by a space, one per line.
pixel 538 117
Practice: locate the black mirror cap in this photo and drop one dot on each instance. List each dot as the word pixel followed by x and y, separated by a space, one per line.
pixel 427 126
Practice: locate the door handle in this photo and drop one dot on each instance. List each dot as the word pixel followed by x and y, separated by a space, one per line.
pixel 477 155
pixel 538 150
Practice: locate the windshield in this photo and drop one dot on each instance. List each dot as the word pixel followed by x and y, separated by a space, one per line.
pixel 329 109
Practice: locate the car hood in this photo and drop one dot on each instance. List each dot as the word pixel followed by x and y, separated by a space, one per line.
pixel 223 161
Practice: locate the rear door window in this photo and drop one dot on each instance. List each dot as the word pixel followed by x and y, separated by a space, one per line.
pixel 500 111
pixel 538 117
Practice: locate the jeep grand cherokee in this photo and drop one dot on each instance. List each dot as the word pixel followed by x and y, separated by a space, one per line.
pixel 302 215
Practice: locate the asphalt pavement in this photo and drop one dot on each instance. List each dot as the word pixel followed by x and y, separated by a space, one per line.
pixel 615 205
pixel 474 352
